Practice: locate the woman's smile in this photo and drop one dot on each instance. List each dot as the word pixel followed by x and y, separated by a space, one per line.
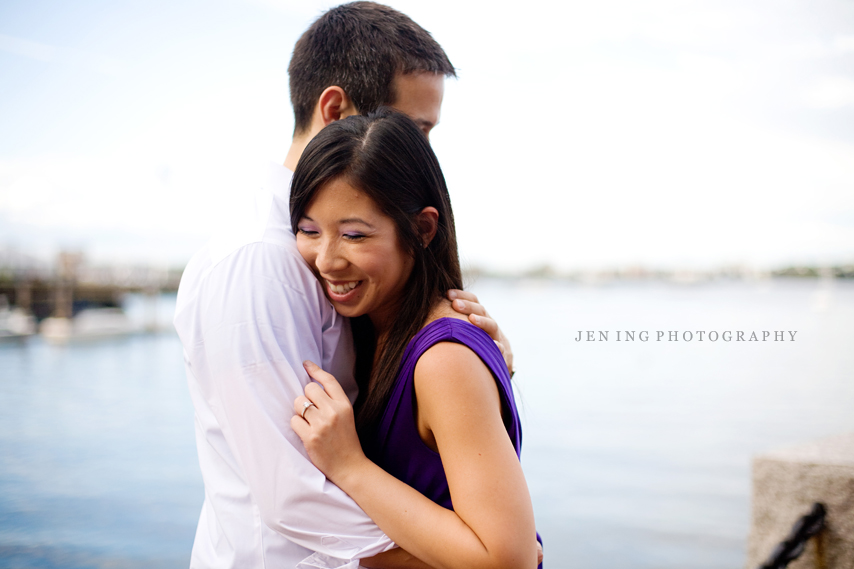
pixel 342 291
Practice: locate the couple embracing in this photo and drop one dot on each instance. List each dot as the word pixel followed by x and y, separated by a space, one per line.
pixel 353 405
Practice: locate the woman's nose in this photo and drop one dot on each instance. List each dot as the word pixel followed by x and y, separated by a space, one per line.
pixel 329 258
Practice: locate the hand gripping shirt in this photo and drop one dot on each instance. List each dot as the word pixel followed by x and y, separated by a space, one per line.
pixel 249 312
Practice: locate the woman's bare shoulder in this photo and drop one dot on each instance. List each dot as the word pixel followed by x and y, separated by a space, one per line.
pixel 452 370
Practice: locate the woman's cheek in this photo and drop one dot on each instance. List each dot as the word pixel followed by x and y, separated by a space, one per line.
pixel 305 250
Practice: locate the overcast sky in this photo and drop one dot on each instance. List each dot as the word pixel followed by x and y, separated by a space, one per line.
pixel 580 134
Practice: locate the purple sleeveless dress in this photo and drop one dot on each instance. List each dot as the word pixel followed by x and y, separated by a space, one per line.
pixel 398 448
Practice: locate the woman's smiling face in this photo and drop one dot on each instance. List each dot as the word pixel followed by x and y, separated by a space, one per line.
pixel 354 249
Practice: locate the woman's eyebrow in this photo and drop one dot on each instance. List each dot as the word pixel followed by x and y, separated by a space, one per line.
pixel 356 220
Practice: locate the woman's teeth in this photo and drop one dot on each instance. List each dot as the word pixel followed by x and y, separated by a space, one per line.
pixel 342 288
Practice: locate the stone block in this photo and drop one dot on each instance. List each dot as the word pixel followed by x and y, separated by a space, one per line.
pixel 786 483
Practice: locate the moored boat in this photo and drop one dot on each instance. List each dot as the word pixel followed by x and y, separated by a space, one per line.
pixel 15 323
pixel 88 324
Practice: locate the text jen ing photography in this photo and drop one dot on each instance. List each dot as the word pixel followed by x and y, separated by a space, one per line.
pixel 686 336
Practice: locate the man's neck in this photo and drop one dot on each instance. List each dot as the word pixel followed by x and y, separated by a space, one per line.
pixel 298 145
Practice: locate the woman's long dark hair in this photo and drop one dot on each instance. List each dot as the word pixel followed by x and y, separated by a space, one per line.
pixel 387 157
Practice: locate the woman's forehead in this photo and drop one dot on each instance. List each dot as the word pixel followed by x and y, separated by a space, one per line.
pixel 339 201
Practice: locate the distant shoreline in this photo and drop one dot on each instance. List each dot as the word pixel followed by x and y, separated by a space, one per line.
pixel 681 276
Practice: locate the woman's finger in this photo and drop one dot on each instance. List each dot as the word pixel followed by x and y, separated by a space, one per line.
pixel 316 393
pixel 468 307
pixel 330 384
pixel 302 405
pixel 486 324
pixel 456 293
pixel 300 427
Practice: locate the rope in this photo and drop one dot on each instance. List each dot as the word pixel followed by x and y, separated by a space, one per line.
pixel 791 548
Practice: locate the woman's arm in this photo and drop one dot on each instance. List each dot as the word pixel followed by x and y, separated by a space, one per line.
pixel 396 558
pixel 492 525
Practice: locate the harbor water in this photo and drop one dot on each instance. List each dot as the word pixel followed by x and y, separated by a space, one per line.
pixel 637 452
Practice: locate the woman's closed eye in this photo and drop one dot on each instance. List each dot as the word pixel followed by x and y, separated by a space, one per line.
pixel 310 231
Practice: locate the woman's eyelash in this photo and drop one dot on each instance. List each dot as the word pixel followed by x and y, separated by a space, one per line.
pixel 348 236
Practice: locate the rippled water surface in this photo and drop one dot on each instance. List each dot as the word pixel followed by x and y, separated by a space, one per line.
pixel 637 453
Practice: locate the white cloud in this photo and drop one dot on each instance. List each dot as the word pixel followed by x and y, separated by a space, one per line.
pixel 49 53
pixel 580 134
pixel 844 44
pixel 305 10
pixel 174 178
pixel 635 167
pixel 26 48
pixel 816 48
pixel 831 93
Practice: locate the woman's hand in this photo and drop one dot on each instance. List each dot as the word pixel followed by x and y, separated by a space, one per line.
pixel 395 558
pixel 465 302
pixel 324 421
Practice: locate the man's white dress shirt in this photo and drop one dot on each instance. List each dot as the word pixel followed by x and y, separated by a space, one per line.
pixel 249 312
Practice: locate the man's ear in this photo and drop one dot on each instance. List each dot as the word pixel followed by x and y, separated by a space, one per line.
pixel 428 224
pixel 334 104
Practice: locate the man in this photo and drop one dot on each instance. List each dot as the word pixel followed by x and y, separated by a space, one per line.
pixel 250 311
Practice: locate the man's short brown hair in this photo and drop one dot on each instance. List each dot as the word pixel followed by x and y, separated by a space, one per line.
pixel 360 47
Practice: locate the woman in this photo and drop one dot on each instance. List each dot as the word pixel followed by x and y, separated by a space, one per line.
pixel 439 473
